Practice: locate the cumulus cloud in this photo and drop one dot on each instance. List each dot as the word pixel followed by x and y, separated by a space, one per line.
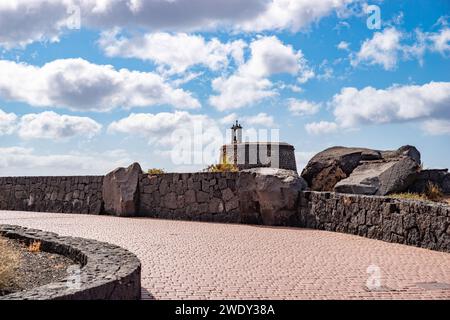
pixel 159 127
pixel 293 14
pixel 389 46
pixel 250 83
pixel 303 107
pixel 50 125
pixel 7 122
pixel 177 52
pixel 185 138
pixel 80 85
pixel 19 161
pixel 322 127
pixel 382 49
pixel 353 107
pixel 427 104
pixel 25 21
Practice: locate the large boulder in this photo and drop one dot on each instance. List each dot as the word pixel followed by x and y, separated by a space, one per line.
pixel 268 195
pixel 380 177
pixel 334 164
pixel 121 191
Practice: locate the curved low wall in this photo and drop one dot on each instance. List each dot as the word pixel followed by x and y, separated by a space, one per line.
pixel 416 223
pixel 108 272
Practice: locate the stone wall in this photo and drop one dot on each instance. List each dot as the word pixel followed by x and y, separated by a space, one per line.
pixel 190 196
pixel 416 223
pixel 81 194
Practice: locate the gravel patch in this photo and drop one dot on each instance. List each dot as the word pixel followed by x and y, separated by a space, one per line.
pixel 35 268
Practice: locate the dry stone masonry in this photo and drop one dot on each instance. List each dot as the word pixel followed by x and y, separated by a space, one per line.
pixel 81 194
pixel 190 196
pixel 415 223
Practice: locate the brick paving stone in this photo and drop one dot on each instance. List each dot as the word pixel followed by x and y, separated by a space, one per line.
pixel 195 260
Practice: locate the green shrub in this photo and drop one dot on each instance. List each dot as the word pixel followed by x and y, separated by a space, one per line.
pixel 224 166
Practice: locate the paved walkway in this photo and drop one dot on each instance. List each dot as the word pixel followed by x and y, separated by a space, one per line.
pixel 193 260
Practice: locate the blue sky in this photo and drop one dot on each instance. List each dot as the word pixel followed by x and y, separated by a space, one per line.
pixel 87 85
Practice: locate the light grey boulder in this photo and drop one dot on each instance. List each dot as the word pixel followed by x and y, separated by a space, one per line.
pixel 380 177
pixel 269 195
pixel 121 191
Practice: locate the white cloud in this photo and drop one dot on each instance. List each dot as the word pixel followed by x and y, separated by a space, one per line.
pixel 20 161
pixel 159 127
pixel 229 119
pixel 187 139
pixel 25 21
pixel 239 91
pixel 250 83
pixel 353 107
pixel 293 14
pixel 7 122
pixel 387 47
pixel 303 107
pixel 50 125
pixel 176 52
pixel 382 49
pixel 80 85
pixel 322 127
pixel 441 41
pixel 343 45
pixel 436 127
pixel 261 119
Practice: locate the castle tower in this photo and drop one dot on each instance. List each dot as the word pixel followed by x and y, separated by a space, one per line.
pixel 236 133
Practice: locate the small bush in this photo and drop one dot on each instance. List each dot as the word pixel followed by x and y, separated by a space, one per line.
pixel 155 171
pixel 433 192
pixel 9 261
pixel 224 166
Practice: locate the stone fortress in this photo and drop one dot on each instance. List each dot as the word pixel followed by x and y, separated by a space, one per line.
pixel 248 155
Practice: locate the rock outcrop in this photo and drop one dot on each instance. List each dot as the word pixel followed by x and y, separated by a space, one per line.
pixel 365 171
pixel 121 191
pixel 380 177
pixel 437 177
pixel 268 195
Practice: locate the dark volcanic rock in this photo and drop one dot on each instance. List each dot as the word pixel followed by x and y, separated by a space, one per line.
pixel 332 165
pixel 268 195
pixel 121 191
pixel 380 177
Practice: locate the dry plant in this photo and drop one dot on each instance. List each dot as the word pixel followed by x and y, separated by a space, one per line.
pixel 433 192
pixel 224 166
pixel 155 171
pixel 9 261
pixel 34 246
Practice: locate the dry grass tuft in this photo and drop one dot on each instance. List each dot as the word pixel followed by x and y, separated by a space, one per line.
pixel 34 246
pixel 9 262
pixel 432 193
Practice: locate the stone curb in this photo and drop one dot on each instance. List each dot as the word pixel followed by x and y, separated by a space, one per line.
pixel 108 272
